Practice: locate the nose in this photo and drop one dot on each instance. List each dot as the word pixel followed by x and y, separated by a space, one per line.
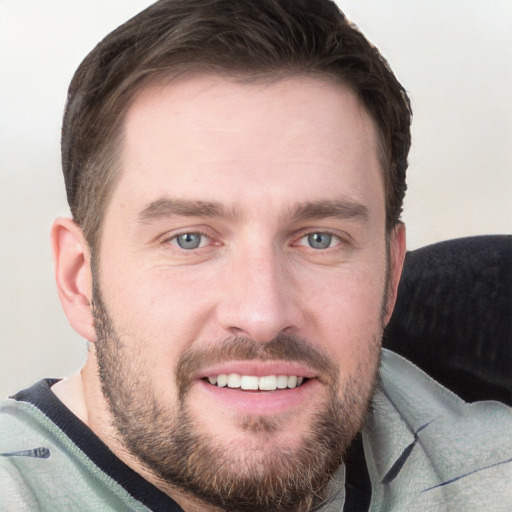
pixel 259 300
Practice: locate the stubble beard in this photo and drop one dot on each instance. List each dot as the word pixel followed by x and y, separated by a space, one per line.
pixel 261 476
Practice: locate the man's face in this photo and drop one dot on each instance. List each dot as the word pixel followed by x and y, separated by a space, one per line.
pixel 241 285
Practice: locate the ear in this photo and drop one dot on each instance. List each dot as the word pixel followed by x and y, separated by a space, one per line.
pixel 72 264
pixel 397 250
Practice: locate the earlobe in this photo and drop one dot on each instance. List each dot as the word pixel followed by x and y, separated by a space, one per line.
pixel 73 275
pixel 397 250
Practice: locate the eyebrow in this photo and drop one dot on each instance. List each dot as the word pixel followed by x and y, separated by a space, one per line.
pixel 168 207
pixel 342 209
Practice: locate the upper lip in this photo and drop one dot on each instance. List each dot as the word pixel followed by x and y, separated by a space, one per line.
pixel 257 369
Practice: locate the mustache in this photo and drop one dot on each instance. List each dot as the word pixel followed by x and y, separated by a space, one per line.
pixel 284 347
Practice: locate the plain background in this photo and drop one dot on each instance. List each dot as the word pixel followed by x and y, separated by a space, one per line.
pixel 453 56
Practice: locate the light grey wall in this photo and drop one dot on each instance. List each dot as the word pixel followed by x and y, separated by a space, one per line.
pixel 453 56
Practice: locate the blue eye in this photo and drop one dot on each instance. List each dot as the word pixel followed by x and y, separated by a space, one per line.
pixel 189 241
pixel 320 240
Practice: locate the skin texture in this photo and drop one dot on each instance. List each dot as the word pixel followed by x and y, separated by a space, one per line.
pixel 255 169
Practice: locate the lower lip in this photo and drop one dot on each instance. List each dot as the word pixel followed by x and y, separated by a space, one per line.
pixel 266 403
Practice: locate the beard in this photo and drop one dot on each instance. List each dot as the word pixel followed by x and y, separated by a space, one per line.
pixel 258 474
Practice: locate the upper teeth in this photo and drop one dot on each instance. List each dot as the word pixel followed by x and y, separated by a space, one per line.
pixel 250 382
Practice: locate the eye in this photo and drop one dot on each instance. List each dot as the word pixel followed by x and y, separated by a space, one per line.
pixel 320 240
pixel 189 241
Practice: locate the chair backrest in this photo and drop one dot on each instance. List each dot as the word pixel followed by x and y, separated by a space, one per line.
pixel 453 316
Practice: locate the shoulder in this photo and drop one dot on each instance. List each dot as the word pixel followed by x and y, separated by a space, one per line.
pixel 23 447
pixel 42 468
pixel 427 449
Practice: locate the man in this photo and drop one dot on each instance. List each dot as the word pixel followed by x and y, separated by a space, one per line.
pixel 236 172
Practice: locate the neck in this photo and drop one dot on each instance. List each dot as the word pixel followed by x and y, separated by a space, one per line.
pixel 81 394
pixel 70 392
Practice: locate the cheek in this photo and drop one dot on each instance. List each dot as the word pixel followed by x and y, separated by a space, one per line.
pixel 345 315
pixel 161 309
pixel 351 299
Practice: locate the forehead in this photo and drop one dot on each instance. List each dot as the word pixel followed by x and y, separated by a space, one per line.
pixel 210 138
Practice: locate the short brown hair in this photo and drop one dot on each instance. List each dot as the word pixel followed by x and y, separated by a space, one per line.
pixel 244 39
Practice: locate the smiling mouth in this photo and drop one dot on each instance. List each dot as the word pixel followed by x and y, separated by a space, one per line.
pixel 254 383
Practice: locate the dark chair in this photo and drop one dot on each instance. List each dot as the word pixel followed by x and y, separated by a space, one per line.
pixel 453 316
